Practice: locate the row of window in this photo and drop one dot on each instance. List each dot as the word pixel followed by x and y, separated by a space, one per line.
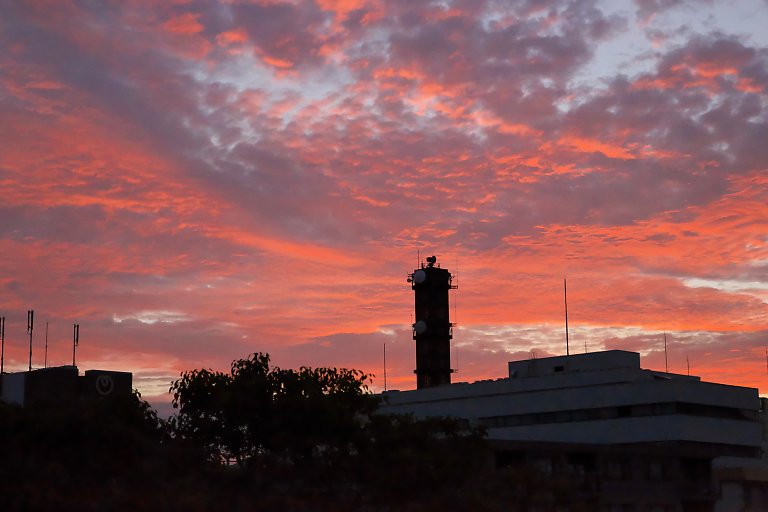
pixel 626 411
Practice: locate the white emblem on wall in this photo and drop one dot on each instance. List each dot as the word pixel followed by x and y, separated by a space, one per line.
pixel 104 385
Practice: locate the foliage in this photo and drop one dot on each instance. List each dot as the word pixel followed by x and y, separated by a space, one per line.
pixel 312 439
pixel 84 454
pixel 261 411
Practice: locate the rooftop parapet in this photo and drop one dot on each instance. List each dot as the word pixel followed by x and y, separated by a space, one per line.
pixel 606 360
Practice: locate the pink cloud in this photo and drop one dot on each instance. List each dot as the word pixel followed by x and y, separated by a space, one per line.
pixel 194 184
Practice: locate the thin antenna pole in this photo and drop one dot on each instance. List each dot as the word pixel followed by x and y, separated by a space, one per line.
pixel 45 364
pixel 30 328
pixel 565 297
pixel 2 344
pixel 418 258
pixel 688 362
pixel 666 363
pixel 75 341
pixel 456 356
pixel 456 316
pixel 385 366
pixel 585 346
pixel 456 295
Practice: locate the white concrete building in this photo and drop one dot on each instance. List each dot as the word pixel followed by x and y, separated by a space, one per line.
pixel 597 398
pixel 632 439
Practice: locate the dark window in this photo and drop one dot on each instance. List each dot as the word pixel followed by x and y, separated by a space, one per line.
pixel 695 469
pixel 626 411
pixel 655 471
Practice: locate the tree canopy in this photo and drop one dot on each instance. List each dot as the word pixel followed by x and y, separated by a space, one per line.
pixel 258 410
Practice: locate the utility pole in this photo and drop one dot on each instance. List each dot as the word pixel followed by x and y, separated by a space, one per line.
pixel 30 327
pixel 565 297
pixel 75 341
pixel 385 366
pixel 45 364
pixel 2 343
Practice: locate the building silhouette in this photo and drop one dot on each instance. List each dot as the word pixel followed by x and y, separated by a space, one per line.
pixel 629 438
pixel 63 384
pixel 432 329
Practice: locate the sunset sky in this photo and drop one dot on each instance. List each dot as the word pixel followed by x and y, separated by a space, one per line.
pixel 192 181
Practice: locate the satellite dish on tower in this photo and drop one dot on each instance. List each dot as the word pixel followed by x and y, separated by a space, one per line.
pixel 419 276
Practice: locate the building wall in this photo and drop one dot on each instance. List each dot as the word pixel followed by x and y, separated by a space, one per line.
pixel 638 430
pixel 13 388
pixel 586 404
pixel 630 439
pixel 63 384
pixel 577 362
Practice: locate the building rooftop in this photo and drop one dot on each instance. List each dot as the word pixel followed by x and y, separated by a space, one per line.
pixel 600 397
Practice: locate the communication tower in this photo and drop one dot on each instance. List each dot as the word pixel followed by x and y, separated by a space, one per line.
pixel 432 328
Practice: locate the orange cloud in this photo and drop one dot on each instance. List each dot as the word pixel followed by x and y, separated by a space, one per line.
pixel 187 208
pixel 585 145
pixel 185 24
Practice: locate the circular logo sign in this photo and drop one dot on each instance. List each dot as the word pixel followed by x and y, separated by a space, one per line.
pixel 104 385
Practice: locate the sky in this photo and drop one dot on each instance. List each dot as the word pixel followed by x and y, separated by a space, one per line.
pixel 195 181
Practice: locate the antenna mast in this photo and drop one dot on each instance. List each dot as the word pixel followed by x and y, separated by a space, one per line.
pixel 385 366
pixel 565 297
pixel 2 343
pixel 666 364
pixel 455 356
pixel 75 341
pixel 30 327
pixel 45 364
pixel 456 316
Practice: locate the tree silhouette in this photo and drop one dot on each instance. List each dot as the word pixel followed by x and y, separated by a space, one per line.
pixel 312 439
pixel 258 411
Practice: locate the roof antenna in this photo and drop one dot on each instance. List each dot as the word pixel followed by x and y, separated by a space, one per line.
pixel 45 365
pixel 75 341
pixel 2 343
pixel 30 327
pixel 565 296
pixel 456 295
pixel 456 315
pixel 385 366
pixel 456 356
pixel 688 362
pixel 666 364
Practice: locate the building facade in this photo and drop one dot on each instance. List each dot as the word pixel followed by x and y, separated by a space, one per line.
pixel 62 384
pixel 628 438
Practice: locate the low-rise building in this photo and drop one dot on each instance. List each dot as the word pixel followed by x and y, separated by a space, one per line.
pixel 629 438
pixel 62 383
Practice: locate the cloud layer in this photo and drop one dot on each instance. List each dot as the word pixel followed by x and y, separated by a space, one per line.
pixel 195 181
